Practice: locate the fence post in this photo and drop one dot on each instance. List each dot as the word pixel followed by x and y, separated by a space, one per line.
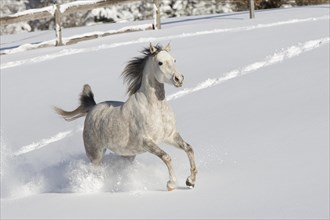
pixel 251 4
pixel 156 14
pixel 58 26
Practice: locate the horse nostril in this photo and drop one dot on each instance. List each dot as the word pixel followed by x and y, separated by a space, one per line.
pixel 177 80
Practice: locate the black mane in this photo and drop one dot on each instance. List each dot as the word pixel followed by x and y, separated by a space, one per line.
pixel 133 71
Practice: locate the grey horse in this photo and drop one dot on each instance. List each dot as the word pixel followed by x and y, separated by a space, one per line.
pixel 141 123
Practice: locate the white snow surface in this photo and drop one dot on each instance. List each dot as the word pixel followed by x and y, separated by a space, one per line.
pixel 254 106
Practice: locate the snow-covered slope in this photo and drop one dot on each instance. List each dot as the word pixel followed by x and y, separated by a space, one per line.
pixel 255 107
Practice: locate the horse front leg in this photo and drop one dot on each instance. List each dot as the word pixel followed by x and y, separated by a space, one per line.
pixel 180 143
pixel 151 147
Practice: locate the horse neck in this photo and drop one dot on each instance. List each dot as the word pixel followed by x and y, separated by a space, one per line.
pixel 151 88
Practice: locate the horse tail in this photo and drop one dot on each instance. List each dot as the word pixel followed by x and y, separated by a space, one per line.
pixel 87 102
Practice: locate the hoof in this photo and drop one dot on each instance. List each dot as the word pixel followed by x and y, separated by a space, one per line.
pixel 170 186
pixel 190 184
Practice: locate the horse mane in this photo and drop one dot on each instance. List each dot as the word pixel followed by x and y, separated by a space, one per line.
pixel 133 71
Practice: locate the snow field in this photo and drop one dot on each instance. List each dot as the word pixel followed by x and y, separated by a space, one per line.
pixel 277 57
pixel 67 52
pixel 258 124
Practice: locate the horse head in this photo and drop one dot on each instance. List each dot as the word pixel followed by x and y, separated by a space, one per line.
pixel 164 66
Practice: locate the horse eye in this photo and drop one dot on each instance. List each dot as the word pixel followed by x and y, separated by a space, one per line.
pixel 160 63
pixel 174 60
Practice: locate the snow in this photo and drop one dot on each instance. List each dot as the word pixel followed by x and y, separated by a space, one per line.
pixel 143 27
pixel 277 57
pixel 43 143
pixel 74 39
pixel 64 7
pixel 50 9
pixel 254 105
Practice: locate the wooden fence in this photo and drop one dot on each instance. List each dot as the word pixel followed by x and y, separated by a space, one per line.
pixel 59 10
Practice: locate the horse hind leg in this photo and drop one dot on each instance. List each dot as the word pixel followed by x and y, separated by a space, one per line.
pixel 94 150
pixel 95 154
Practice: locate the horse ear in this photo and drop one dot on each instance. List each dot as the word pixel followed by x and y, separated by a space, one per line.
pixel 152 49
pixel 168 47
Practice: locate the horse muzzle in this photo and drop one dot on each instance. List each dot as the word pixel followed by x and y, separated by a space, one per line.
pixel 177 79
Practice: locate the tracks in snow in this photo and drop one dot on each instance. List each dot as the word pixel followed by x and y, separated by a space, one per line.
pixel 275 58
pixel 68 52
pixel 43 142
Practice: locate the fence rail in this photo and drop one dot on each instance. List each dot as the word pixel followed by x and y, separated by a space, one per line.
pixel 28 15
pixel 59 10
pixel 49 11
